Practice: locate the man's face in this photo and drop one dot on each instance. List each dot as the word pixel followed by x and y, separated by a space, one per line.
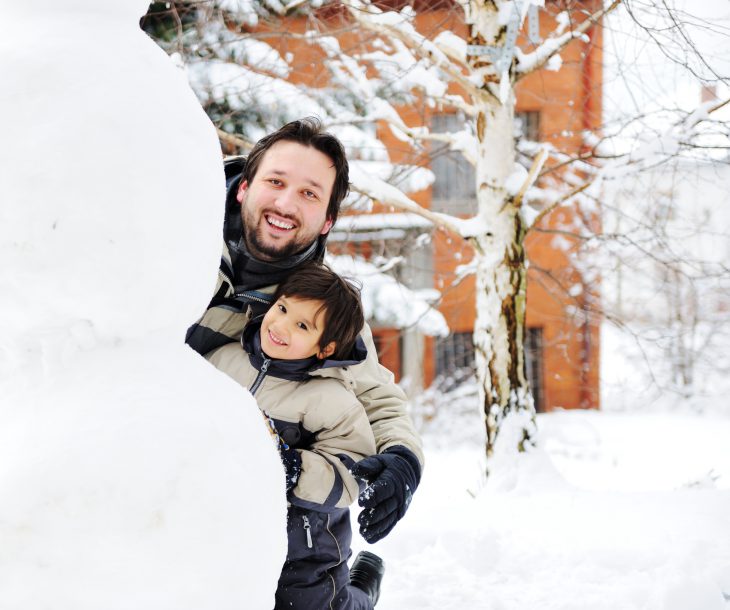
pixel 292 328
pixel 284 209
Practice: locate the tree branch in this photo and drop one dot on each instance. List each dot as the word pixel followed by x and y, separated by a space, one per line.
pixel 552 46
pixel 550 207
pixel 418 44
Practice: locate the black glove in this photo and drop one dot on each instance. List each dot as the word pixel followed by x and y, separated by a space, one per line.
pixel 292 464
pixel 391 479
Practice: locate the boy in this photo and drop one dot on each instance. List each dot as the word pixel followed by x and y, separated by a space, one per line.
pixel 286 361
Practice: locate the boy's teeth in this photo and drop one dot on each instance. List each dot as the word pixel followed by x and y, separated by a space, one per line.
pixel 279 223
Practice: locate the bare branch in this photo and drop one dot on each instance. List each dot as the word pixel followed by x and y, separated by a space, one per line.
pixel 558 202
pixel 552 46
pixel 229 138
pixel 531 176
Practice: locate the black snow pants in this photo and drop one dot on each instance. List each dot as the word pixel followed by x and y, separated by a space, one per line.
pixel 315 575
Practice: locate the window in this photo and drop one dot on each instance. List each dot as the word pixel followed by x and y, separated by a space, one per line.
pixel 528 125
pixel 533 363
pixel 454 190
pixel 455 362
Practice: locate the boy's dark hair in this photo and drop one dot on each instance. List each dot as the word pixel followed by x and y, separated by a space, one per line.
pixel 308 132
pixel 343 317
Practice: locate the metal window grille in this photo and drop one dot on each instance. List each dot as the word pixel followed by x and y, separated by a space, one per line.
pixel 534 365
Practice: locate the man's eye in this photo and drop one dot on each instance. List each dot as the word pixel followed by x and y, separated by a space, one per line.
pixel 275 181
pixel 310 194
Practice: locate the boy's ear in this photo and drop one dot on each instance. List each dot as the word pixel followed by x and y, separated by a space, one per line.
pixel 327 351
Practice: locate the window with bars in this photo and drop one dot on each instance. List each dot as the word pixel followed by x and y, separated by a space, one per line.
pixel 534 363
pixel 455 362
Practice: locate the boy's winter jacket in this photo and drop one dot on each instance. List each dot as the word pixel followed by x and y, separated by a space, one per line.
pixel 317 414
pixel 312 410
pixel 244 290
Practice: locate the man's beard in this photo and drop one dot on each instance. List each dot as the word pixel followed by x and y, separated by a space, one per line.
pixel 269 252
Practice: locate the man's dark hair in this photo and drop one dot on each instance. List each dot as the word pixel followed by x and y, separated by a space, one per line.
pixel 343 317
pixel 307 132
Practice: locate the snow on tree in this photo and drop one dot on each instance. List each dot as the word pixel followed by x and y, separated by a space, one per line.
pixel 132 473
pixel 387 66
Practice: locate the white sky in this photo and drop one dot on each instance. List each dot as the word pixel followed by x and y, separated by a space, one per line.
pixel 640 77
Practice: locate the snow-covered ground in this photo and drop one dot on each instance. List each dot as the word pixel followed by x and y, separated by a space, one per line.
pixel 614 511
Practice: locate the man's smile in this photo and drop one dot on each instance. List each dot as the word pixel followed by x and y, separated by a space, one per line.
pixel 279 223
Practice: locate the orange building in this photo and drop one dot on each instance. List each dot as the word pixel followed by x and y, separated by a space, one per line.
pixel 563 332
pixel 552 106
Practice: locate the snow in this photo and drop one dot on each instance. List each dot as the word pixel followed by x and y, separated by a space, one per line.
pixel 371 222
pixel 388 303
pixel 613 510
pixel 126 476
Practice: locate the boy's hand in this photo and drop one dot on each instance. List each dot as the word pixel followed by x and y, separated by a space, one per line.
pixel 391 479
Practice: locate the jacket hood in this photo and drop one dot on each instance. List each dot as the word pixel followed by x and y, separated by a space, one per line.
pixel 293 370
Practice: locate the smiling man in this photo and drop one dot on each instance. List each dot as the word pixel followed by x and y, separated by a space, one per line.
pixel 281 203
pixel 285 206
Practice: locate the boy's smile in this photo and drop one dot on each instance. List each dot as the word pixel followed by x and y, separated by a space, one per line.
pixel 292 329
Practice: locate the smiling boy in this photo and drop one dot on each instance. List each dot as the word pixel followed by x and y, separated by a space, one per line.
pixel 288 360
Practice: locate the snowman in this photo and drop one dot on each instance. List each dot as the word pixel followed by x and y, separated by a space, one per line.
pixel 132 473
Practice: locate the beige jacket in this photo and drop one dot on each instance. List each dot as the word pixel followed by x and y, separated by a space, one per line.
pixel 373 384
pixel 322 418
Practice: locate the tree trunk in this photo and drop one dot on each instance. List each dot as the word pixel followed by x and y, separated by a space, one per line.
pixel 501 278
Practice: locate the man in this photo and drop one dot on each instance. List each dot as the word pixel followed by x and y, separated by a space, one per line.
pixel 281 203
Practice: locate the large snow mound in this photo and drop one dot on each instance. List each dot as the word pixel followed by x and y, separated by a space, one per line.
pixel 132 474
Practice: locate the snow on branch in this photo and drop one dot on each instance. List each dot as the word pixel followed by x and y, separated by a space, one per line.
pixel 539 58
pixel 378 190
pixel 388 302
pixel 397 26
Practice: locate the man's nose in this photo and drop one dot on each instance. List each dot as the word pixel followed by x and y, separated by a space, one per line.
pixel 286 201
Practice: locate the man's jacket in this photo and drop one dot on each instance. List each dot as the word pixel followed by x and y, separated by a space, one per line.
pixel 235 304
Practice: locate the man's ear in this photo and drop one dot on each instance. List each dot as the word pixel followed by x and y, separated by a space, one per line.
pixel 241 191
pixel 327 226
pixel 327 351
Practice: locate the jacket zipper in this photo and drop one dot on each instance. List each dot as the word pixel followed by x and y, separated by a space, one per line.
pixel 308 530
pixel 250 297
pixel 260 377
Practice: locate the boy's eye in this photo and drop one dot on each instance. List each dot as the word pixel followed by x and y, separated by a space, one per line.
pixel 282 309
pixel 302 325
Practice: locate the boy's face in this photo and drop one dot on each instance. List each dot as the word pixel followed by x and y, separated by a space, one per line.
pixel 292 328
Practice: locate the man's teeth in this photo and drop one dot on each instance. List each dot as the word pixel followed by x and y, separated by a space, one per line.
pixel 279 223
